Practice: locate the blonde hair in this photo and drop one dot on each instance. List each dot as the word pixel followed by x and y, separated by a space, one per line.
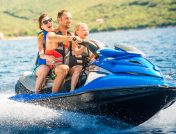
pixel 78 25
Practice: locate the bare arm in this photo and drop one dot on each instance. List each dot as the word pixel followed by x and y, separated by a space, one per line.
pixel 53 37
pixel 40 42
pixel 41 47
pixel 41 50
pixel 77 51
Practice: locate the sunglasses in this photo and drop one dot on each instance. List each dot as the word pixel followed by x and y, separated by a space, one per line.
pixel 45 22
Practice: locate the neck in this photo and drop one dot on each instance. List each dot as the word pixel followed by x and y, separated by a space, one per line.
pixel 62 29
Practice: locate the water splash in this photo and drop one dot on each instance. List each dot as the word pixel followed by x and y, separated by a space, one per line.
pixel 21 116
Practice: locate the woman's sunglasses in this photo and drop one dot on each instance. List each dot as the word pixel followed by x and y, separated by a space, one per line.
pixel 45 22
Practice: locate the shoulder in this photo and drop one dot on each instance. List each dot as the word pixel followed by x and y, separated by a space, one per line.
pixel 51 33
pixel 40 34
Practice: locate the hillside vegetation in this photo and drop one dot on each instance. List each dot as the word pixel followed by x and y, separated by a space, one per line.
pixel 19 17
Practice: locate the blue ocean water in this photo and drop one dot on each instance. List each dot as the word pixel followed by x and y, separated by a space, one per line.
pixel 18 55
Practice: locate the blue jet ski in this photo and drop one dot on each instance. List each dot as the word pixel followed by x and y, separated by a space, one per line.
pixel 121 84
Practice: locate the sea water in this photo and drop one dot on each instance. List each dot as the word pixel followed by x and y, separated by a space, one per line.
pixel 18 56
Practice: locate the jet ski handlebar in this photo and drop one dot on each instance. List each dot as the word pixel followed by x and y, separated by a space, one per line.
pixel 91 46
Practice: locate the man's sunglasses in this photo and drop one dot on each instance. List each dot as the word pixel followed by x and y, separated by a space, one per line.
pixel 45 22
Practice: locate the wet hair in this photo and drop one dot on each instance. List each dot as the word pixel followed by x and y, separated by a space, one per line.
pixel 60 13
pixel 40 20
pixel 78 26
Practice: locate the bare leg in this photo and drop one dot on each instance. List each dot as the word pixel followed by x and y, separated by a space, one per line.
pixel 75 72
pixel 41 73
pixel 61 72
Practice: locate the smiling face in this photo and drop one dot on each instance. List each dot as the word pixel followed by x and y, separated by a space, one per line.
pixel 65 20
pixel 47 24
pixel 82 30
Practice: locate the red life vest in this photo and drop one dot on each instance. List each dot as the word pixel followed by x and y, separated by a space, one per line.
pixel 59 53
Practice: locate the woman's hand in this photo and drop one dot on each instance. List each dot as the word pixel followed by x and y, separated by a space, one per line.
pixel 51 59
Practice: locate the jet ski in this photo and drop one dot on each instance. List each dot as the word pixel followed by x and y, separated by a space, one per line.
pixel 120 84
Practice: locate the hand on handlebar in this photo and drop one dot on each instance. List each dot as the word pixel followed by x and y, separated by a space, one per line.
pixel 76 39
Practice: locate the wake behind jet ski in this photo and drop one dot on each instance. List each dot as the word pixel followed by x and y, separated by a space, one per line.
pixel 118 84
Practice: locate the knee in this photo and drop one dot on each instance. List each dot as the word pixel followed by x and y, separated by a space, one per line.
pixel 65 68
pixel 78 69
pixel 61 70
pixel 42 71
pixel 46 69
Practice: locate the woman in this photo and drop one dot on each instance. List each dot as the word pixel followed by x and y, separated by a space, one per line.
pixel 45 24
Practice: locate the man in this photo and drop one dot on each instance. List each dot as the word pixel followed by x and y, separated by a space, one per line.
pixel 64 19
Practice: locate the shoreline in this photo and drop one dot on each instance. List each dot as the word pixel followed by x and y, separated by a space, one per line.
pixel 29 37
pixel 18 37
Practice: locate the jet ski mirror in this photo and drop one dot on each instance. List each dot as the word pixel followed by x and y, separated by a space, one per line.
pixel 91 46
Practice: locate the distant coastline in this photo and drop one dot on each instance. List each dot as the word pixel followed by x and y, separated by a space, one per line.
pixel 19 37
pixel 20 18
pixel 130 28
pixel 34 36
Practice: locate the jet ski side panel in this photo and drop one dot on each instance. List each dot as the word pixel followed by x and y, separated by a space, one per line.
pixel 124 81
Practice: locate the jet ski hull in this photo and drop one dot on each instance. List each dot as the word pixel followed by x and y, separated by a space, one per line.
pixel 132 105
